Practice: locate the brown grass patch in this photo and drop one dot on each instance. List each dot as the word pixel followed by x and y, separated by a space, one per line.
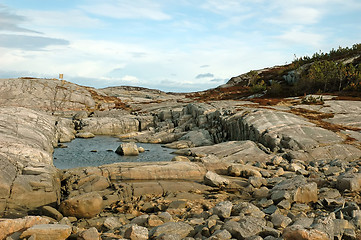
pixel 107 99
pixel 227 93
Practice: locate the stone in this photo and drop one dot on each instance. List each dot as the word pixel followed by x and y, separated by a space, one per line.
pixel 214 180
pixel 297 232
pixel 243 171
pixel 245 228
pixel 349 181
pixel 112 223
pixel 177 204
pixel 141 150
pixel 280 221
pixel 223 209
pixel 87 205
pixel 51 212
pixel 247 209
pixel 257 182
pixel 298 187
pixel 154 221
pixel 220 234
pixel 165 217
pixel 47 232
pixel 84 135
pixel 9 226
pixel 128 149
pixel 135 232
pixel 89 234
pixel 178 228
pixel 140 220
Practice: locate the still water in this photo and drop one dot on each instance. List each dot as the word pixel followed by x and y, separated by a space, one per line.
pixel 101 150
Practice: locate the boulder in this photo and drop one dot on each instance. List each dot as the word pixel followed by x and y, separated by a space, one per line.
pixel 214 180
pixel 87 205
pixel 128 149
pixel 48 231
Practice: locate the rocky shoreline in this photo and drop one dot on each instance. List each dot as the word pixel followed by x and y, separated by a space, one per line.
pixel 244 171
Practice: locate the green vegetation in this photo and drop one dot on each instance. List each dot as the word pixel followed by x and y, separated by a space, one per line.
pixel 336 71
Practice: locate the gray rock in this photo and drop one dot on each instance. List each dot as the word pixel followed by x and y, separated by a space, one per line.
pixel 245 228
pixel 223 209
pixel 112 223
pixel 247 209
pixel 280 221
pixel 214 180
pixel 89 234
pixel 177 228
pixel 298 187
pixel 140 220
pixel 135 232
pixel 350 181
pixel 220 234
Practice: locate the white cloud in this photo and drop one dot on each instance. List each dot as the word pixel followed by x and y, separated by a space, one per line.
pixel 297 15
pixel 123 9
pixel 225 7
pixel 298 35
pixel 61 18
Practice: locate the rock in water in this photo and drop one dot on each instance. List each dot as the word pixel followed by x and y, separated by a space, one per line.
pixel 85 135
pixel 128 149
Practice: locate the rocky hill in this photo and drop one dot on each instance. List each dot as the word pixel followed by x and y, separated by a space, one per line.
pixel 247 167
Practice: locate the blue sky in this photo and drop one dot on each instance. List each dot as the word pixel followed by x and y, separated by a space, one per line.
pixel 182 45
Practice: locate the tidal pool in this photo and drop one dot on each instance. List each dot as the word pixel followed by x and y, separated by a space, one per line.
pixel 101 150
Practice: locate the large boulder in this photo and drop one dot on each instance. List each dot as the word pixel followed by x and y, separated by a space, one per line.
pixel 87 205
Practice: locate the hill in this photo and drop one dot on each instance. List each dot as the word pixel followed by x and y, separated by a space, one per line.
pixel 337 72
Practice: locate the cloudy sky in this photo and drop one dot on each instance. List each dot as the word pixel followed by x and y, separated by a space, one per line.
pixel 172 45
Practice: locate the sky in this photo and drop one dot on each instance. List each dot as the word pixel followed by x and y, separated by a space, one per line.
pixel 171 45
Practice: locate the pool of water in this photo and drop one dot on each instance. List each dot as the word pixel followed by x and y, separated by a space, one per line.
pixel 101 150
